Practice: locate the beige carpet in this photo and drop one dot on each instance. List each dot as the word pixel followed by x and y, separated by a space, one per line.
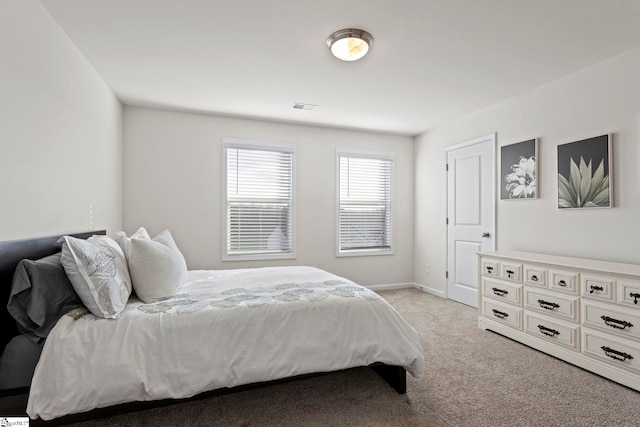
pixel 473 378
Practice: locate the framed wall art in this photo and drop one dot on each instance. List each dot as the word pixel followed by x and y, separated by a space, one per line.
pixel 584 171
pixel 518 170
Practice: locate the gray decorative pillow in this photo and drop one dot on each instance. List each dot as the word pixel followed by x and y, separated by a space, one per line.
pixel 41 293
pixel 98 272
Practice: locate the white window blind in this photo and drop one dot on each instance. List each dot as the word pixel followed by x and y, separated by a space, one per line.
pixel 259 200
pixel 365 215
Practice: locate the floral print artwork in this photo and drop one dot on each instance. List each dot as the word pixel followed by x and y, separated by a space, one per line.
pixel 518 168
pixel 521 182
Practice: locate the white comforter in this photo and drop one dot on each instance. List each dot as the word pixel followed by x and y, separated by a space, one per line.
pixel 224 328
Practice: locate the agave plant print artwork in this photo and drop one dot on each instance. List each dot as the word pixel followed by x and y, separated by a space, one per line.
pixel 518 170
pixel 583 173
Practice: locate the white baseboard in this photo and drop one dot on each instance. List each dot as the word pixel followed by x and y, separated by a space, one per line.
pixel 391 286
pixel 418 286
pixel 431 291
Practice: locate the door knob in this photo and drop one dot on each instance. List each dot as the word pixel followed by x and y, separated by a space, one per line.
pixel 486 234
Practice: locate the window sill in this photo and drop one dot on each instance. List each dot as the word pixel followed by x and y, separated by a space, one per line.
pixel 257 257
pixel 365 252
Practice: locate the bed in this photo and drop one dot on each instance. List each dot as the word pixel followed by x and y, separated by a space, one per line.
pixel 222 330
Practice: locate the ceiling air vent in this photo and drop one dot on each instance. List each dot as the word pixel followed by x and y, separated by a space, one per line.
pixel 303 106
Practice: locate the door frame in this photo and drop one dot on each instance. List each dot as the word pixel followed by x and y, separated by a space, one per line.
pixel 489 137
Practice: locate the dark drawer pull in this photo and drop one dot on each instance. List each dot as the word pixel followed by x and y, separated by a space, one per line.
pixel 596 288
pixel 510 273
pixel 534 278
pixel 500 314
pixel 635 297
pixel 499 292
pixel 615 323
pixel 489 269
pixel 548 305
pixel 615 354
pixel 548 331
pixel 562 283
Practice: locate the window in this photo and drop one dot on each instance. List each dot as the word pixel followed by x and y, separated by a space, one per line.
pixel 259 189
pixel 365 203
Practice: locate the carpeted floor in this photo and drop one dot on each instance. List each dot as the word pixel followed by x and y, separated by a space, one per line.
pixel 473 378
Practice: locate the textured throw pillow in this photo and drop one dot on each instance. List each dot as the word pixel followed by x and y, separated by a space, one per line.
pixel 41 293
pixel 125 242
pixel 157 267
pixel 98 272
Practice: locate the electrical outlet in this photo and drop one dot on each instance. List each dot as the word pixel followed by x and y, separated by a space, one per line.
pixel 428 268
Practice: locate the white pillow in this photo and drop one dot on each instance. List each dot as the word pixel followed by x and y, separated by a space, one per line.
pixel 125 242
pixel 98 273
pixel 157 267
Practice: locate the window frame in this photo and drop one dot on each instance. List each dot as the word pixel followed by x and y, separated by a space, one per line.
pixel 366 154
pixel 241 143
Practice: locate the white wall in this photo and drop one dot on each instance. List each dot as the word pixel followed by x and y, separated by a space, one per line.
pixel 173 180
pixel 604 98
pixel 60 132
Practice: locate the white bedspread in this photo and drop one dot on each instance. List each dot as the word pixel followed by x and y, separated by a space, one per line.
pixel 224 328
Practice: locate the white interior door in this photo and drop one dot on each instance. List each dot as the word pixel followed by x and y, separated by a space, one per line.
pixel 470 214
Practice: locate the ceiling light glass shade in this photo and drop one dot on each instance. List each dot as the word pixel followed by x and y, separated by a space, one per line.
pixel 350 44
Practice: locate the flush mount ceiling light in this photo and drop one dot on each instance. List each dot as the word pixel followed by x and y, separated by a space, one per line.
pixel 350 44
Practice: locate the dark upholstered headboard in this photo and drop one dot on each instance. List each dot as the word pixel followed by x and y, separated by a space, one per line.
pixel 11 253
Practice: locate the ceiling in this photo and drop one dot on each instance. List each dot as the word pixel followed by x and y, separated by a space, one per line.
pixel 432 60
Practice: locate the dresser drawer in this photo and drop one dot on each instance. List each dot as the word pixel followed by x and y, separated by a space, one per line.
pixel 564 281
pixel 511 271
pixel 535 276
pixel 490 267
pixel 617 352
pixel 555 331
pixel 563 306
pixel 503 313
pixel 598 287
pixel 629 292
pixel 609 319
pixel 502 291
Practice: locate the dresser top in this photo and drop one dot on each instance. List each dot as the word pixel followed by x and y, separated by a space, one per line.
pixel 570 262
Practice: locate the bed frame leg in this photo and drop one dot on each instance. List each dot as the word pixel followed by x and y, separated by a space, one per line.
pixel 395 376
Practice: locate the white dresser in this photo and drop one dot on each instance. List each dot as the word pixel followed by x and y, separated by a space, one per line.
pixel 586 312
